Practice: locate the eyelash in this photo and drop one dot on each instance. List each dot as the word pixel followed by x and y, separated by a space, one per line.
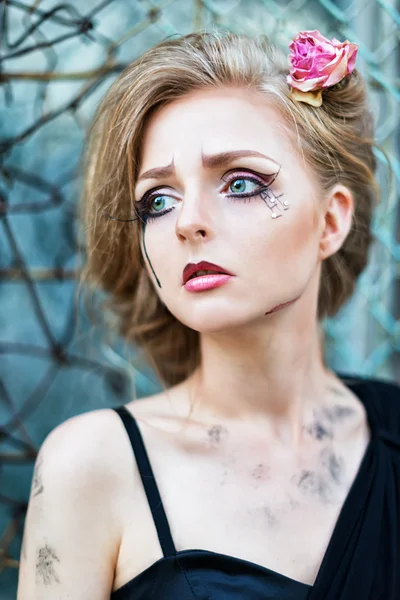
pixel 143 205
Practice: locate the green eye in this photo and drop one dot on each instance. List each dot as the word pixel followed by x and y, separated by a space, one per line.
pixel 158 203
pixel 239 185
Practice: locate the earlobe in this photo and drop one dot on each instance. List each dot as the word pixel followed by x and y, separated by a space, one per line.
pixel 337 220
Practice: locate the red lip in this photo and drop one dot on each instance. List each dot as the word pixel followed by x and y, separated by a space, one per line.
pixel 201 266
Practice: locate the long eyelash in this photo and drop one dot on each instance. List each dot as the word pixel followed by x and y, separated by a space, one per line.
pixel 106 214
pixel 142 208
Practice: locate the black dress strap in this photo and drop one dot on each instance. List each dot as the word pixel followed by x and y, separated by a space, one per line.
pixel 148 480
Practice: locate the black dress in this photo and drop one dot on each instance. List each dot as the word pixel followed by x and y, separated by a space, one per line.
pixel 362 561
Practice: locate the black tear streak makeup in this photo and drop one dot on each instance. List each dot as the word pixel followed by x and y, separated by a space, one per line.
pixel 138 218
pixel 147 256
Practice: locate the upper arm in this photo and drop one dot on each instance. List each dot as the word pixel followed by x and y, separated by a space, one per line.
pixel 70 541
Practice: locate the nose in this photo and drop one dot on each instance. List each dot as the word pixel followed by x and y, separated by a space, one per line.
pixel 194 222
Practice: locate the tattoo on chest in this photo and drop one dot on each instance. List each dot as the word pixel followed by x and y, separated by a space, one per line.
pixel 333 464
pixel 319 431
pixel 338 413
pixel 260 472
pixel 45 571
pixel 324 480
pixel 327 418
pixel 216 434
pixel 271 517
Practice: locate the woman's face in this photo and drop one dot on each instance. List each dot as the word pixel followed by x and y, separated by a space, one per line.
pixel 219 165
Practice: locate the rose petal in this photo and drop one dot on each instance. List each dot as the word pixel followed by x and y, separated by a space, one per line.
pixel 318 39
pixel 306 85
pixel 337 72
pixel 319 67
pixel 314 34
pixel 305 63
pixel 335 59
pixel 351 61
pixel 299 73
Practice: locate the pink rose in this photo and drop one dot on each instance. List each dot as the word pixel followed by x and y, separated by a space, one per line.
pixel 318 63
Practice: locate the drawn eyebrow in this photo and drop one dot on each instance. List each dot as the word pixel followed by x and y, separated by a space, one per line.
pixel 210 161
pixel 158 172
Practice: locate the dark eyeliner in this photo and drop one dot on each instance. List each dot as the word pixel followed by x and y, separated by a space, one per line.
pixel 143 206
pixel 258 179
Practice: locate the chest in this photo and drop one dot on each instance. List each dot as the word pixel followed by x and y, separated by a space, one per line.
pixel 268 510
pixel 252 501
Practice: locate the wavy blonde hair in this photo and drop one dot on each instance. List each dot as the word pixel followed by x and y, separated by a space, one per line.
pixel 336 141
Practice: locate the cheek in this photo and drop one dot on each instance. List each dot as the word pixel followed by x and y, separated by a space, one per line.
pixel 246 239
pixel 282 248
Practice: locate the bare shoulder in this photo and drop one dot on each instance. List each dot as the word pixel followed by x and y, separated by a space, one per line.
pixel 86 445
pixel 72 529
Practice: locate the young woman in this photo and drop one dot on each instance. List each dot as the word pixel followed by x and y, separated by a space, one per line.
pixel 227 204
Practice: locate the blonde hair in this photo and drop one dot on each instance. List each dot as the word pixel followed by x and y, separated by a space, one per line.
pixel 335 139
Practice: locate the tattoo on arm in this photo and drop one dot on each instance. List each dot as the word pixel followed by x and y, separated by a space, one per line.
pixel 45 571
pixel 37 484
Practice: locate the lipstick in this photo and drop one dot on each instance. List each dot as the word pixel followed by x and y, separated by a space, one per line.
pixel 202 276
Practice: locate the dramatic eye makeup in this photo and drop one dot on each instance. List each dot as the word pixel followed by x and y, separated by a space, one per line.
pixel 236 178
pixel 240 185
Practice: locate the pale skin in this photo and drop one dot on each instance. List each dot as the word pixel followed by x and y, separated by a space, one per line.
pixel 275 439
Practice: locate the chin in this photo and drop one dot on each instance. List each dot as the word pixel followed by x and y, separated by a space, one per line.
pixel 217 320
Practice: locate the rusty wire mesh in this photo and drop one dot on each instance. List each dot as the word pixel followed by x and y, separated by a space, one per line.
pixel 57 60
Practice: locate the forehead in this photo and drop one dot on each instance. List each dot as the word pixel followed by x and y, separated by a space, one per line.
pixel 212 121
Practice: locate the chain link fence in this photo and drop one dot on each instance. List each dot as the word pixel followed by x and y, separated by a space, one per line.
pixel 57 60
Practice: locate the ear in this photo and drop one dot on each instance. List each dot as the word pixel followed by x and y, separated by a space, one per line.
pixel 337 220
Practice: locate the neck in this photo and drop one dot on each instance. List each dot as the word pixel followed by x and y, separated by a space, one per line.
pixel 271 375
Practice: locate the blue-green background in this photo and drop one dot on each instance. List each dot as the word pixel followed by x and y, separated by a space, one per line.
pixel 57 60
